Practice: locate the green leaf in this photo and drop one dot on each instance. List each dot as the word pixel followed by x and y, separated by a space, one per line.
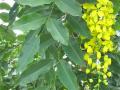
pixel 28 22
pixel 34 3
pixel 4 16
pixel 79 26
pixel 73 52
pixel 4 6
pixel 58 31
pixel 69 6
pixel 35 70
pixel 30 48
pixel 66 76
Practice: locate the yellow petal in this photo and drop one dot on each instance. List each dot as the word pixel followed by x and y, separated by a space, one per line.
pixel 109 74
pixel 98 55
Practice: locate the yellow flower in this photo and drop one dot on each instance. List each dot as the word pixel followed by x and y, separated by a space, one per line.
pixel 109 61
pixel 105 49
pixel 105 58
pixel 105 65
pixel 98 29
pixel 105 10
pixel 110 3
pixel 89 50
pixel 99 5
pixel 86 45
pixel 91 80
pixel 106 36
pixel 100 20
pixel 111 49
pixel 89 6
pixel 86 56
pixel 104 70
pixel 99 80
pixel 104 2
pixel 99 36
pixel 93 13
pixel 93 65
pixel 87 71
pixel 104 76
pixel 89 61
pixel 98 67
pixel 111 10
pixel 92 27
pixel 91 22
pixel 95 18
pixel 84 16
pixel 105 82
pixel 109 74
pixel 111 31
pixel 100 13
pixel 109 22
pixel 98 55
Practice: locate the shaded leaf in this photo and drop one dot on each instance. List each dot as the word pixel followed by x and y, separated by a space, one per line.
pixel 35 70
pixel 115 63
pixel 79 26
pixel 66 76
pixel 30 48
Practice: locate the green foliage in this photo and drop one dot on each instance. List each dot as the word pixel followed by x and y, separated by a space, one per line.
pixel 79 26
pixel 69 6
pixel 35 70
pixel 29 22
pixel 73 52
pixel 4 16
pixel 33 3
pixel 66 76
pixel 29 50
pixel 58 31
pixel 4 6
pixel 52 29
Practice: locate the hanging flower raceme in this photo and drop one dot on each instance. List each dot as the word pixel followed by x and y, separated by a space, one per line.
pixel 100 19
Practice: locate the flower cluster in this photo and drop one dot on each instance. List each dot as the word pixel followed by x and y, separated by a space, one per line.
pixel 100 19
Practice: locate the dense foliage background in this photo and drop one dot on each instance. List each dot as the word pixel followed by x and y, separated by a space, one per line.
pixel 49 53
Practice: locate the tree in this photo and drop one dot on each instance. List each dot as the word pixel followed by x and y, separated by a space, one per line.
pixel 59 48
